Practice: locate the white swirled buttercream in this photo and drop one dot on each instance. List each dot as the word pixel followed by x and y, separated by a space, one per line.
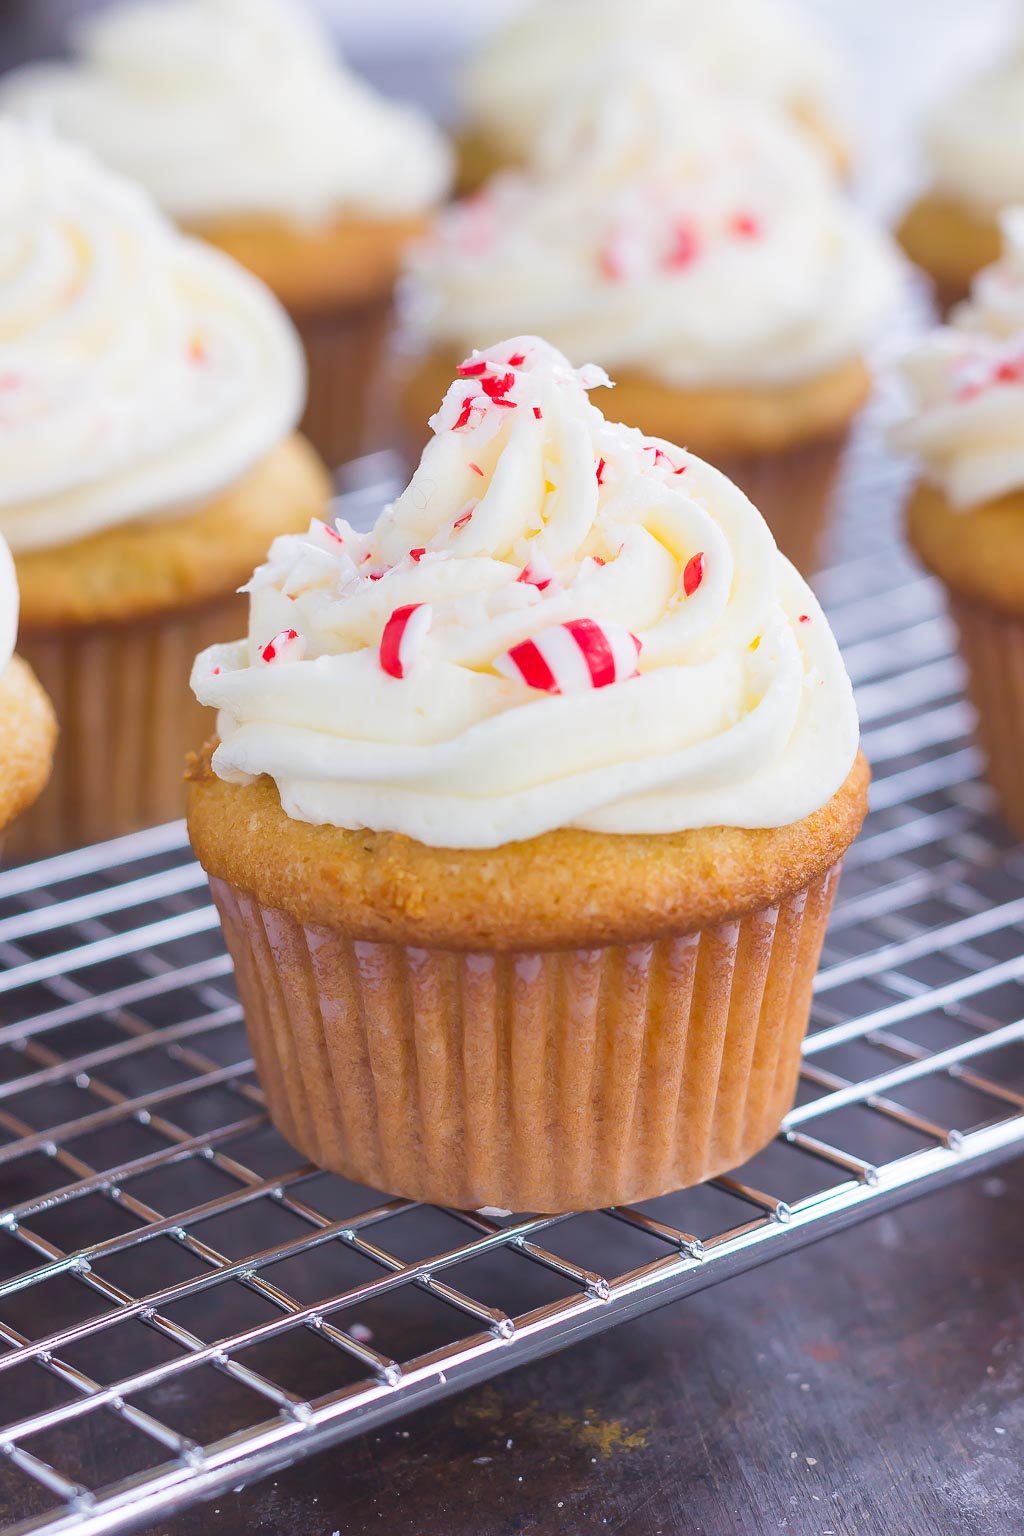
pixel 8 606
pixel 966 381
pixel 140 372
pixel 530 511
pixel 224 108
pixel 674 232
pixel 975 140
pixel 760 49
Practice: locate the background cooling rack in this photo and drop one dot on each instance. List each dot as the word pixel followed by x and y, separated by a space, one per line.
pixel 185 1305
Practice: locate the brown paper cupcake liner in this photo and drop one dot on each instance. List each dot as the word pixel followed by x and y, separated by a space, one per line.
pixel 793 490
pixel 545 1081
pixel 992 645
pixel 127 720
pixel 345 354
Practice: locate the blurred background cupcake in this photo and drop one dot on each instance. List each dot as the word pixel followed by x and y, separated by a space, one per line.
pixel 974 146
pixel 150 387
pixel 28 729
pixel 761 49
pixel 965 425
pixel 696 246
pixel 240 120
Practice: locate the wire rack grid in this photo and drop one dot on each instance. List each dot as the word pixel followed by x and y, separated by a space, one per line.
pixel 184 1305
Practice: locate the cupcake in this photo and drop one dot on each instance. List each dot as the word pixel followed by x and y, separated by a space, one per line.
pixel 149 388
pixel 527 812
pixel 760 49
pixel 698 249
pixel 975 153
pixel 239 119
pixel 966 518
pixel 27 726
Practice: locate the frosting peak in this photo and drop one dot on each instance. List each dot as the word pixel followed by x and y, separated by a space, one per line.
pixel 758 49
pixel 226 108
pixel 558 623
pixel 140 372
pixel 966 380
pixel 975 141
pixel 666 229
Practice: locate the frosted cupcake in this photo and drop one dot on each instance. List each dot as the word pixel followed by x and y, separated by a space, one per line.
pixel 700 251
pixel 239 119
pixel 966 518
pixel 149 388
pixel 27 727
pixel 527 812
pixel 759 49
pixel 975 152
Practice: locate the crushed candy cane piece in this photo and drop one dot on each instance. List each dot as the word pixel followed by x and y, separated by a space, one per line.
pixel 693 575
pixel 538 572
pixel 403 637
pixel 416 555
pixel 685 247
pixel 573 657
pixel 289 645
pixel 747 226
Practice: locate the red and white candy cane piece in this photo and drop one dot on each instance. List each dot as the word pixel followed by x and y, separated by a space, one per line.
pixel 403 637
pixel 289 645
pixel 573 657
pixel 538 572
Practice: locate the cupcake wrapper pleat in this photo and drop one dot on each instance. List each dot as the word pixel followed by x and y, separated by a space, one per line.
pixel 546 1081
pixel 345 352
pixel 127 720
pixel 793 490
pixel 992 645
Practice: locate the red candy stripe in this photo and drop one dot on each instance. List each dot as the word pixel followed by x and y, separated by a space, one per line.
pixel 573 657
pixel 403 637
pixel 693 574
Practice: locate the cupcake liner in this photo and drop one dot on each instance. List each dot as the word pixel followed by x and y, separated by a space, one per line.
pixel 127 721
pixel 992 645
pixel 793 490
pixel 547 1081
pixel 345 351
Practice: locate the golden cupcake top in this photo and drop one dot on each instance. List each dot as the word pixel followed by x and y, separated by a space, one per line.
pixel 141 372
pixel 560 623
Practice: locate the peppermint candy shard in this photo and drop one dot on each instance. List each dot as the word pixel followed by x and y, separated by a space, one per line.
pixel 538 572
pixel 289 645
pixel 403 637
pixel 573 657
pixel 693 575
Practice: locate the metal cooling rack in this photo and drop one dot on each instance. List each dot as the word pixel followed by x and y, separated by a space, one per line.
pixel 184 1305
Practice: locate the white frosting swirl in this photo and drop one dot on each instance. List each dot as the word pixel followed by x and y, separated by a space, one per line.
pixel 8 606
pixel 760 49
pixel 975 141
pixel 224 108
pixel 140 372
pixel 667 230
pixel 967 385
pixel 529 511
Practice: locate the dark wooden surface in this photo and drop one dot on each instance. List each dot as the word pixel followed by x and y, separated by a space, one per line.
pixel 870 1386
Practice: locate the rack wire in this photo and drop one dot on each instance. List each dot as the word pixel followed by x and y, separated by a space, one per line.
pixel 184 1305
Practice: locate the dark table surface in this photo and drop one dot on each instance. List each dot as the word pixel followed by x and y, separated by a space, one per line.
pixel 870 1386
